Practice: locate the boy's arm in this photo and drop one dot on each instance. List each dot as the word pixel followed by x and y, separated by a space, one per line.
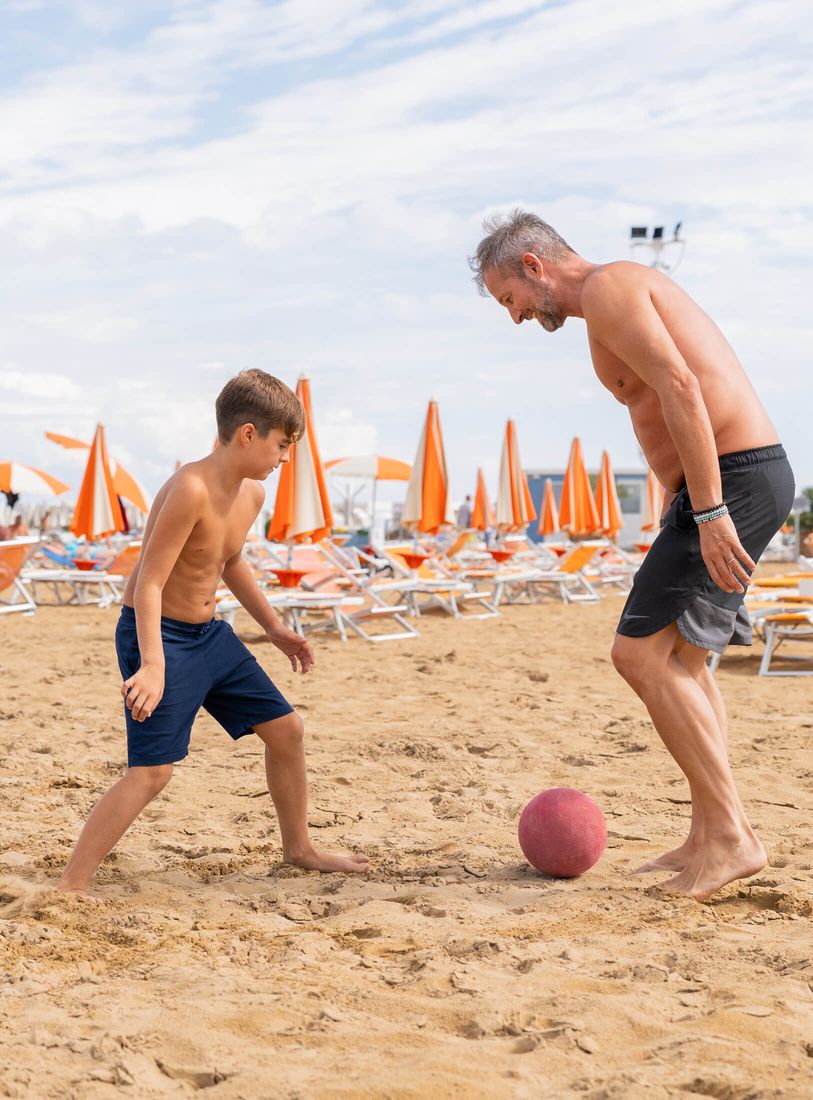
pixel 173 526
pixel 244 588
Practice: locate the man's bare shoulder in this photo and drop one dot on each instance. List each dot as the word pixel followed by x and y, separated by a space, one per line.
pixel 611 283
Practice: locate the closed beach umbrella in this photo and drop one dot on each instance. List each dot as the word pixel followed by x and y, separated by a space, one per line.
pixel 482 515
pixel 653 503
pixel 17 478
pixel 549 516
pixel 607 504
pixel 515 508
pixel 123 481
pixel 302 510
pixel 98 511
pixel 426 508
pixel 577 508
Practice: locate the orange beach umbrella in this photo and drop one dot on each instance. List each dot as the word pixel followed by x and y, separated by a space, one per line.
pixel 607 503
pixel 17 478
pixel 653 503
pixel 482 515
pixel 376 467
pixel 302 510
pixel 577 508
pixel 125 484
pixel 549 516
pixel 426 507
pixel 515 509
pixel 98 511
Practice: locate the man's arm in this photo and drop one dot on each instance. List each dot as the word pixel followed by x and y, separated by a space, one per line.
pixel 622 317
pixel 173 526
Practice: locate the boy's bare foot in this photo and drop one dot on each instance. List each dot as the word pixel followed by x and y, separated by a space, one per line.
pixel 676 860
pixel 75 892
pixel 716 864
pixel 312 860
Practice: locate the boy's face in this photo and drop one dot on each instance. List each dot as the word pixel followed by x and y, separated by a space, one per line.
pixel 269 452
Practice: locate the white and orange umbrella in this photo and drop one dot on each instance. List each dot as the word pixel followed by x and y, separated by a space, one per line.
pixel 125 484
pixel 515 508
pixel 376 467
pixel 17 478
pixel 607 503
pixel 426 507
pixel 98 512
pixel 577 508
pixel 302 511
pixel 549 516
pixel 482 515
pixel 653 503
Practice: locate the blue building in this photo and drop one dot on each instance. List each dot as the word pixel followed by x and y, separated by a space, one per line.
pixel 631 486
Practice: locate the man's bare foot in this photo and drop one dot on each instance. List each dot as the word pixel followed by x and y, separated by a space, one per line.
pixel 676 860
pixel 312 860
pixel 715 865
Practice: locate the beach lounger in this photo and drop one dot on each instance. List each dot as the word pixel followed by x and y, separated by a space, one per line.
pixel 13 594
pixel 425 587
pixel 780 629
pixel 568 578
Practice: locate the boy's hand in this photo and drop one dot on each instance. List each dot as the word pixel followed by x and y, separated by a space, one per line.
pixel 296 649
pixel 143 691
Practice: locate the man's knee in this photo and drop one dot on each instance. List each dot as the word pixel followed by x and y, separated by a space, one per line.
pixel 153 778
pixel 282 732
pixel 631 660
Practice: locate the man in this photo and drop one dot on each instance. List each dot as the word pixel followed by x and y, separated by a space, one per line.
pixel 729 488
pixel 464 515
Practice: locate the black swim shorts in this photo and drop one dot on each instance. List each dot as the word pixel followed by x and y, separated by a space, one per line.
pixel 673 584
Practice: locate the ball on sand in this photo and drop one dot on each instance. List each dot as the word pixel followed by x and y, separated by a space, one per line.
pixel 562 832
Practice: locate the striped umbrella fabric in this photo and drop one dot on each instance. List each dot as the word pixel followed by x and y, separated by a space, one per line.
pixel 426 508
pixel 482 515
pixel 302 511
pixel 98 511
pixel 577 508
pixel 549 516
pixel 653 503
pixel 607 503
pixel 515 508
pixel 125 484
pixel 374 467
pixel 17 478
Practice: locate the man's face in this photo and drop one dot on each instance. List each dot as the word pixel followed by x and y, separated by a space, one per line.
pixel 527 297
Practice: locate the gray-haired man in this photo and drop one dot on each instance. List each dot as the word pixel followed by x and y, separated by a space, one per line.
pixel 729 489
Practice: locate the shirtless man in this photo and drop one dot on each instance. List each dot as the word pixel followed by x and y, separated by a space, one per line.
pixel 729 488
pixel 175 657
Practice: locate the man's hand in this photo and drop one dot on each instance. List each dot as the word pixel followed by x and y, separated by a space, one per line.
pixel 143 691
pixel 728 564
pixel 296 649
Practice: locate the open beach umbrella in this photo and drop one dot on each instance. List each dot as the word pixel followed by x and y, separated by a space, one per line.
pixel 482 515
pixel 577 508
pixel 426 507
pixel 515 509
pixel 17 478
pixel 374 468
pixel 98 511
pixel 653 503
pixel 302 510
pixel 125 484
pixel 607 503
pixel 549 516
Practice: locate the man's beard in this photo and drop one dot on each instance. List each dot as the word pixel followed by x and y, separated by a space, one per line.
pixel 547 314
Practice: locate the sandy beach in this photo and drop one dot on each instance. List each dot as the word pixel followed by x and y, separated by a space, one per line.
pixel 453 969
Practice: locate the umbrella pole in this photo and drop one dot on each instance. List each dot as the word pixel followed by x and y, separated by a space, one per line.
pixel 372 513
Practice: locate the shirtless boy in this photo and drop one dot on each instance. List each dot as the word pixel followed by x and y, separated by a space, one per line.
pixel 175 657
pixel 729 488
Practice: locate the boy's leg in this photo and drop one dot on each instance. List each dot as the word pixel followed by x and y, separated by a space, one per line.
pixel 688 725
pixel 288 786
pixel 109 819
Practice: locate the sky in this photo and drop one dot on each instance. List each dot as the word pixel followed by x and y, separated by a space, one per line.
pixel 192 187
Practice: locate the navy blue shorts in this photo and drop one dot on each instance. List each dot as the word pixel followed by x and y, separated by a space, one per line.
pixel 206 666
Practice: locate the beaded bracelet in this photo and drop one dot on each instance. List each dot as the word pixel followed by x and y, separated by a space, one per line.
pixel 710 513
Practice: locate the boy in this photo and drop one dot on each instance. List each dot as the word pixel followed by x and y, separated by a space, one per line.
pixel 175 657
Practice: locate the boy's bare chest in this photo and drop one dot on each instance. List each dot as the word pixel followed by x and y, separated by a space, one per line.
pixel 219 536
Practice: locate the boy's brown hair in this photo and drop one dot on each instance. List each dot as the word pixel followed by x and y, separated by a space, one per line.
pixel 254 397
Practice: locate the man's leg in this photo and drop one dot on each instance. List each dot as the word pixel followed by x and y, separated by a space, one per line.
pixel 286 774
pixel 688 725
pixel 694 661
pixel 109 820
